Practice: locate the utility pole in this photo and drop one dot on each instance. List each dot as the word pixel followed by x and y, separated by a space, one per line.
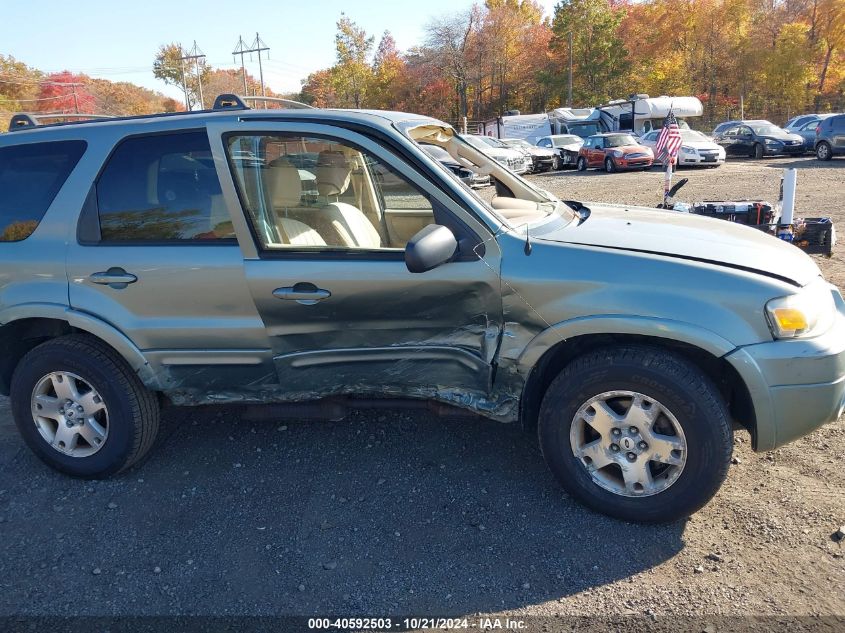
pixel 195 55
pixel 570 69
pixel 257 47
pixel 240 50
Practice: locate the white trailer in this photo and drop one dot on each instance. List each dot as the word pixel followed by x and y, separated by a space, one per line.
pixel 531 127
pixel 642 114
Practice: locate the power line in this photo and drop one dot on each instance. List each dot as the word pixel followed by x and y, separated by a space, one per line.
pixel 258 46
pixel 195 55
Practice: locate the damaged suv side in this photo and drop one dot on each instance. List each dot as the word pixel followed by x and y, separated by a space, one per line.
pixel 266 256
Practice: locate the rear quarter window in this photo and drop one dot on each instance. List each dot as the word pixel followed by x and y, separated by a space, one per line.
pixel 31 176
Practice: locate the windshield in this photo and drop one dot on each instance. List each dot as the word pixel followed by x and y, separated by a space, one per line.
pixel 517 142
pixel 565 139
pixel 585 129
pixel 476 141
pixel 438 153
pixel 767 130
pixel 620 140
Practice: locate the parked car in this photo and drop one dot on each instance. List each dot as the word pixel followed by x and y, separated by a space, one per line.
pixel 566 146
pixel 467 176
pixel 697 149
pixel 614 151
pixel 717 131
pixel 830 137
pixel 798 122
pixel 758 139
pixel 140 266
pixel 807 130
pixel 542 159
pixel 514 160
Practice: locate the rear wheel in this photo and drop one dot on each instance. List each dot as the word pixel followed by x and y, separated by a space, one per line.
pixel 824 151
pixel 81 408
pixel 609 165
pixel 581 164
pixel 637 433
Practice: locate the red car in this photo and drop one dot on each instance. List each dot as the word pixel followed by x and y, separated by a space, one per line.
pixel 613 151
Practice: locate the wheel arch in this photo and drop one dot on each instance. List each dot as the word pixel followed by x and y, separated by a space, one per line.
pixel 27 326
pixel 548 365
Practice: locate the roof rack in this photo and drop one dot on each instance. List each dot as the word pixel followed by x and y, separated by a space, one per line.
pixel 228 101
pixel 25 120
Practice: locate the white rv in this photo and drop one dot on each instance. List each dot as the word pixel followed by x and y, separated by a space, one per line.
pixel 582 122
pixel 642 114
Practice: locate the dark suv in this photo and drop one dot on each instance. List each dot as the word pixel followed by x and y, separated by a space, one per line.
pixel 830 137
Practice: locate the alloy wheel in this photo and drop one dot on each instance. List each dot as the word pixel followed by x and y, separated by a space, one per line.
pixel 629 443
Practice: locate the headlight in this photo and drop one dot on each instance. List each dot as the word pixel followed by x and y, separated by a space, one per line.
pixel 617 153
pixel 809 312
pixel 501 160
pixel 649 151
pixel 688 150
pixel 771 141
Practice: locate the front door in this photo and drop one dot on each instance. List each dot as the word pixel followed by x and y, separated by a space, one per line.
pixel 328 212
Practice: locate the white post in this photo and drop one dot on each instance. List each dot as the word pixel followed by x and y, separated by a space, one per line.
pixel 790 178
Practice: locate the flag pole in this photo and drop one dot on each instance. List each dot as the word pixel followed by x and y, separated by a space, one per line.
pixel 667 164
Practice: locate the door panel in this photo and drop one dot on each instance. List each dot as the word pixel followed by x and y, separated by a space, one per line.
pixel 343 320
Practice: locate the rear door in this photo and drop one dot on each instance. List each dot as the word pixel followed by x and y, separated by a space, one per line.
pixel 325 266
pixel 837 133
pixel 597 152
pixel 155 255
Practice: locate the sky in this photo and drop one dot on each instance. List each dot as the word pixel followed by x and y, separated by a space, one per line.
pixel 118 40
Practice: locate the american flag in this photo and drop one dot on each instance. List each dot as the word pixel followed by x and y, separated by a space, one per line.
pixel 669 141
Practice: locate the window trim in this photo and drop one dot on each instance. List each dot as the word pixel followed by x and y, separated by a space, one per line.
pixel 84 232
pixel 337 252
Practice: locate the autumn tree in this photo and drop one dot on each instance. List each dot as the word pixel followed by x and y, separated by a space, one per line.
pixel 66 92
pixel 449 41
pixel 388 74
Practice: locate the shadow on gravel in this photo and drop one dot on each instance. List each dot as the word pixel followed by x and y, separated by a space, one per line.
pixel 384 513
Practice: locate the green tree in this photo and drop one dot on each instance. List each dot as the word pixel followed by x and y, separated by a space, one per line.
pixel 169 67
pixel 352 75
pixel 600 58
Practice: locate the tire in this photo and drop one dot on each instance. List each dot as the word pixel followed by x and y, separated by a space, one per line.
pixel 129 412
pixel 609 165
pixel 555 163
pixel 676 386
pixel 824 151
pixel 581 164
pixel 758 151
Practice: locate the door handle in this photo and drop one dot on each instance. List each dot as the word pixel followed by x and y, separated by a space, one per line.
pixel 304 293
pixel 116 278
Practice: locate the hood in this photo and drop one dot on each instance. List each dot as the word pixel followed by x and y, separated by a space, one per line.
pixel 688 236
pixel 783 136
pixel 571 147
pixel 702 145
pixel 631 149
pixel 540 151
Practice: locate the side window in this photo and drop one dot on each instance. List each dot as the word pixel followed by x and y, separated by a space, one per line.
pixel 31 176
pixel 162 188
pixel 318 193
pixel 809 125
pixel 744 131
pixel 731 131
pixel 545 143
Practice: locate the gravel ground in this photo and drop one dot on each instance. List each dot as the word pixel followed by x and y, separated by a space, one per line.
pixel 397 512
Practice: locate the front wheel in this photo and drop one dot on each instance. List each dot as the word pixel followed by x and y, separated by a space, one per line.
pixel 609 165
pixel 581 164
pixel 758 151
pixel 556 163
pixel 81 408
pixel 636 433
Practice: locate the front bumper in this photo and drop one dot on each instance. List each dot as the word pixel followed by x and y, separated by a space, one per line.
pixel 701 159
pixel 633 163
pixel 783 150
pixel 795 385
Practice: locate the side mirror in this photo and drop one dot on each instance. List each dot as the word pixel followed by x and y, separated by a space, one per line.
pixel 429 248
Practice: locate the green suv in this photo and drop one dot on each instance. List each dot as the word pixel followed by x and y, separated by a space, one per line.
pixel 304 257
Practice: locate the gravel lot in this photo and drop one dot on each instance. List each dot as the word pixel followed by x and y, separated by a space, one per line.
pixel 397 512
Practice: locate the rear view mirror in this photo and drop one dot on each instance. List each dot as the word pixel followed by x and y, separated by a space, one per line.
pixel 429 248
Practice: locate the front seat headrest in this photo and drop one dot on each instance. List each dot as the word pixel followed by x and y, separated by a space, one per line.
pixel 284 185
pixel 333 173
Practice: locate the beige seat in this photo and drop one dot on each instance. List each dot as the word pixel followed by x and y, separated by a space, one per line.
pixel 334 174
pixel 284 192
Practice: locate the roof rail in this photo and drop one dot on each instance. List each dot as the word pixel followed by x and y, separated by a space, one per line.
pixel 229 101
pixel 24 120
